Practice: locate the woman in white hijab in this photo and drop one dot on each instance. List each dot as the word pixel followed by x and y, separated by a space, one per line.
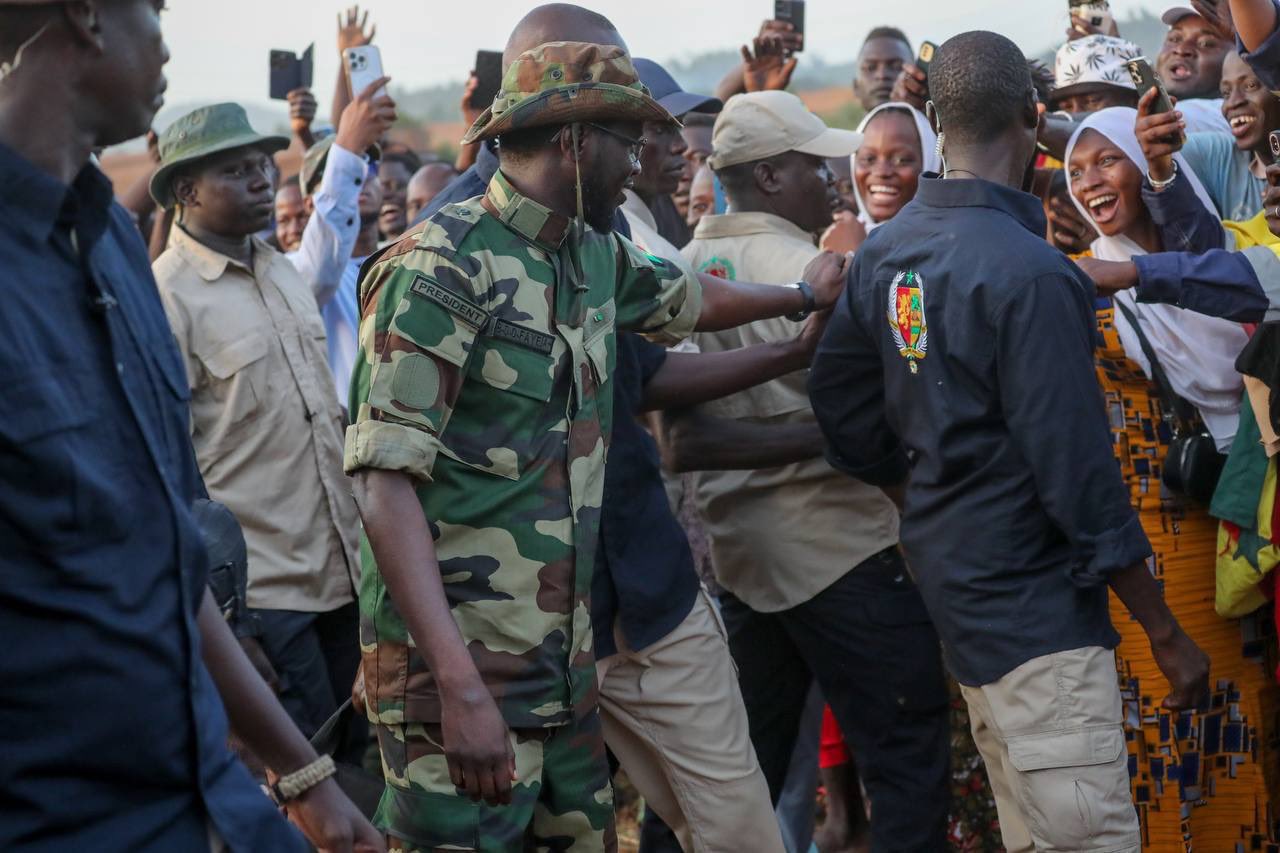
pixel 1106 167
pixel 898 145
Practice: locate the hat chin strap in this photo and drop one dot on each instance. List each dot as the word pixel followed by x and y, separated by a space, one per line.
pixel 7 68
pixel 572 247
pixel 576 130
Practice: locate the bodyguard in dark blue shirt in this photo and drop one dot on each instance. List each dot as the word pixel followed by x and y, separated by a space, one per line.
pixel 995 411
pixel 113 735
pixel 961 361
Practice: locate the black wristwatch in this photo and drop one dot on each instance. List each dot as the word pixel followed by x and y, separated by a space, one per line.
pixel 810 303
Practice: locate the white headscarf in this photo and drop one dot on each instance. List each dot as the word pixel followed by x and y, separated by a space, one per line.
pixel 928 152
pixel 1198 353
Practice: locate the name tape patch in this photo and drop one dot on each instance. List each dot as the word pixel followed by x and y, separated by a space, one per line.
pixel 464 309
pixel 474 315
pixel 521 336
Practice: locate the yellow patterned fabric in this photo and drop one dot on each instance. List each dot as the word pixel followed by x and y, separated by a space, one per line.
pixel 1208 782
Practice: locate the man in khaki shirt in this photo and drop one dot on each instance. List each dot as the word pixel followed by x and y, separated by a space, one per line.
pixel 265 422
pixel 815 585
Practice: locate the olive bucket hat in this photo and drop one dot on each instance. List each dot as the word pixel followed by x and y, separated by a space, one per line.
pixel 208 130
pixel 562 82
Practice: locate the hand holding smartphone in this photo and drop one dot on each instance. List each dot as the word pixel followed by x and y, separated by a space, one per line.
pixel 1146 79
pixel 1091 16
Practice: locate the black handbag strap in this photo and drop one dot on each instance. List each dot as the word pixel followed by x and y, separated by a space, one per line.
pixel 1186 417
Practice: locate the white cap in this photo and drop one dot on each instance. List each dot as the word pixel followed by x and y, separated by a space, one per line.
pixel 758 125
pixel 1086 63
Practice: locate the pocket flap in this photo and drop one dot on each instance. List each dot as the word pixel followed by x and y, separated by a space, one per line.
pixel 43 405
pixel 235 356
pixel 1077 748
pixel 508 367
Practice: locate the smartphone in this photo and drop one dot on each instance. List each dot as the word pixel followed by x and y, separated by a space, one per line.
pixel 364 66
pixel 1146 79
pixel 1275 144
pixel 289 72
pixel 1094 12
pixel 925 58
pixel 488 78
pixel 791 11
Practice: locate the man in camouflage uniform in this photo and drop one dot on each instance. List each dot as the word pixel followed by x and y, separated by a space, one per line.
pixel 482 416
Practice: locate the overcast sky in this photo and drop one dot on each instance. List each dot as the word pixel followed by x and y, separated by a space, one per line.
pixel 220 48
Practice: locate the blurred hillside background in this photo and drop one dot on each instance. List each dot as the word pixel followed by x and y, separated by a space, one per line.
pixel 430 120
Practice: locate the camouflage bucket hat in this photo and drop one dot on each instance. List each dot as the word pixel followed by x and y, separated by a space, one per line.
pixel 561 82
pixel 208 130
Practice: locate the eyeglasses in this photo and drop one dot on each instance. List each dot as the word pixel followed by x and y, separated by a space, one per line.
pixel 636 145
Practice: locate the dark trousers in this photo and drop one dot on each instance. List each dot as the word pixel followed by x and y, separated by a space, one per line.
pixel 316 656
pixel 868 641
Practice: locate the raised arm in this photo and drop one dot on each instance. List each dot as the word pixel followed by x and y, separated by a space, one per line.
pixel 352 32
pixel 728 304
pixel 690 379
pixel 1255 21
pixel 331 232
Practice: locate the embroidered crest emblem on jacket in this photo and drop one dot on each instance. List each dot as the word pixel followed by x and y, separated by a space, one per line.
pixel 906 317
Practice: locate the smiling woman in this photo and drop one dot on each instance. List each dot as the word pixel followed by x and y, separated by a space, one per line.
pixel 897 147
pixel 1211 806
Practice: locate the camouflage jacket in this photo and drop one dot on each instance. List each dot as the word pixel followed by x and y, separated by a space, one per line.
pixel 483 372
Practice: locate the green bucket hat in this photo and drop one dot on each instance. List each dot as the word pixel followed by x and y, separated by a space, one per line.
pixel 562 82
pixel 208 130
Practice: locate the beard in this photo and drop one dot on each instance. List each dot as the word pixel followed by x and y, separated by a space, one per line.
pixel 599 203
pixel 599 196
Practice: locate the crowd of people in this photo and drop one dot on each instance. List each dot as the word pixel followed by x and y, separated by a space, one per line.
pixel 677 435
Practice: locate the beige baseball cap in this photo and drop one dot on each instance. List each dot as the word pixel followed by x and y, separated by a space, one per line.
pixel 758 125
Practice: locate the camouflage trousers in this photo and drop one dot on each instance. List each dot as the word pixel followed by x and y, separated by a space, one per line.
pixel 561 800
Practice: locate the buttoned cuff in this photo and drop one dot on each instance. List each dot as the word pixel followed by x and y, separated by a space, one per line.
pixel 390 447
pixel 1109 552
pixel 682 318
pixel 344 177
pixel 889 471
pixel 1159 278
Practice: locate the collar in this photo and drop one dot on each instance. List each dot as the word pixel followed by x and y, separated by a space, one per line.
pixel 39 202
pixel 209 264
pixel 1027 209
pixel 635 207
pixel 539 225
pixel 1257 167
pixel 748 223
